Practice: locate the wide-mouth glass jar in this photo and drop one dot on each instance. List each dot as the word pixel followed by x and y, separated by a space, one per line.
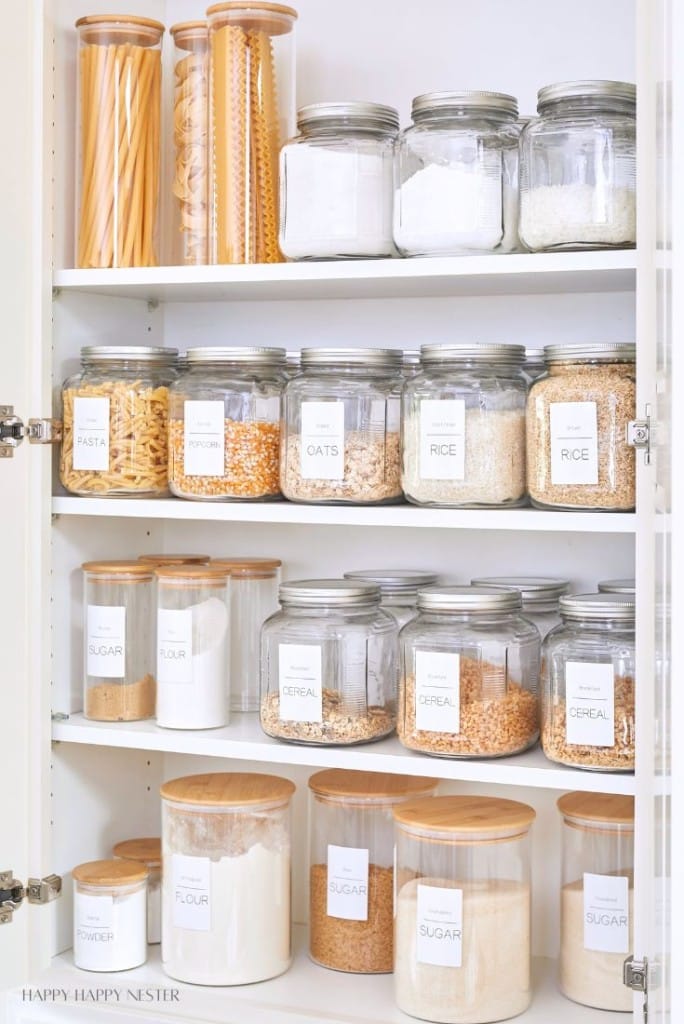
pixel 469 674
pixel 456 175
pixel 115 413
pixel 535 364
pixel 578 168
pixel 463 427
pixel 578 456
pixel 341 441
pixel 587 704
pixel 147 852
pixel 329 664
pixel 110 908
pixel 625 586
pixel 398 589
pixel 190 140
pixel 462 922
pixel 540 596
pixel 224 424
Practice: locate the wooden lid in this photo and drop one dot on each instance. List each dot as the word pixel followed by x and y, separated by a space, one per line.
pixel 459 815
pixel 110 872
pixel 191 36
pixel 119 567
pixel 256 568
pixel 371 786
pixel 147 851
pixel 601 808
pixel 192 573
pixel 228 789
pixel 257 15
pixel 157 560
pixel 131 28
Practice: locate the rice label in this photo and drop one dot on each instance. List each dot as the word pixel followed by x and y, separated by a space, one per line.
pixel 442 439
pixel 203 438
pixel 347 883
pixel 438 696
pixel 299 681
pixel 106 641
pixel 606 913
pixel 174 646
pixel 91 433
pixel 322 441
pixel 439 926
pixel 191 881
pixel 574 443
pixel 589 704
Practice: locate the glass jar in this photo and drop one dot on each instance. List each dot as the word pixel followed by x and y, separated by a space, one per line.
pixel 118 664
pixel 597 898
pixel 470 674
pixel 535 364
pixel 351 873
pixel 193 646
pixel 190 139
pixel 341 417
pixel 227 876
pixel 462 923
pixel 410 363
pixel 398 589
pixel 159 561
pixel 456 172
pixel 115 414
pixel 540 596
pixel 578 456
pixel 337 189
pixel 110 907
pixel 587 701
pixel 251 114
pixel 119 103
pixel 293 363
pixel 148 853
pixel 464 427
pixel 224 424
pixel 254 586
pixel 329 664
pixel 626 586
pixel 578 168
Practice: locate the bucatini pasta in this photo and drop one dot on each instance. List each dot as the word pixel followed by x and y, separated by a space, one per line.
pixel 190 117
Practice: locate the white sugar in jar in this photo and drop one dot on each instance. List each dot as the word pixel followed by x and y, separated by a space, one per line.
pixel 110 915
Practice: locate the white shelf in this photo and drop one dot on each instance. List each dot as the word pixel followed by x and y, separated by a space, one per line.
pixel 244 740
pixel 525 273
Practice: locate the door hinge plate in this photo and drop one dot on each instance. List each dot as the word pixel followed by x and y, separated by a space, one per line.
pixel 639 434
pixel 13 893
pixel 641 976
pixel 44 890
pixel 13 431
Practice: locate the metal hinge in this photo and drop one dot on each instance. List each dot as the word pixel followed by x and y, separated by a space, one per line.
pixel 639 434
pixel 13 431
pixel 639 975
pixel 13 893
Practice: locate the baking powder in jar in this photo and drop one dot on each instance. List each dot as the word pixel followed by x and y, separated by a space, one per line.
pixel 110 907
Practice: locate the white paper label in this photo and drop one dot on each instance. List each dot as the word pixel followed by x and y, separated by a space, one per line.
pixel 347 883
pixel 438 691
pixel 174 646
pixel 191 892
pixel 299 680
pixel 322 451
pixel 442 439
pixel 606 913
pixel 589 704
pixel 91 433
pixel 204 439
pixel 439 926
pixel 94 919
pixel 106 641
pixel 574 444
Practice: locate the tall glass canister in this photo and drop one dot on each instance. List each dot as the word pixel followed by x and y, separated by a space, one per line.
pixel 190 139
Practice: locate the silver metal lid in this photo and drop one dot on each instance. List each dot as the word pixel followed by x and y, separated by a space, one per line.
pixel 498 355
pixel 322 592
pixel 535 355
pixel 588 88
pixel 617 352
pixel 466 102
pixel 601 607
pixel 388 357
pixel 625 586
pixel 534 590
pixel 411 357
pixel 395 582
pixel 469 599
pixel 365 115
pixel 131 353
pixel 225 354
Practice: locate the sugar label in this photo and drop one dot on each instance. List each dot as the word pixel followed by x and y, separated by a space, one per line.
pixel 203 438
pixel 174 646
pixel 439 926
pixel 442 439
pixel 106 641
pixel 300 682
pixel 322 440
pixel 574 443
pixel 191 879
pixel 606 913
pixel 347 883
pixel 91 433
pixel 438 697
pixel 589 704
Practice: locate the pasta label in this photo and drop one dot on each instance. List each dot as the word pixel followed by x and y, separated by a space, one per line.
pixel 91 433
pixel 204 440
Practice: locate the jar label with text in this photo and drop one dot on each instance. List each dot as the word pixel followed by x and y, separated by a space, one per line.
pixel 94 920
pixel 438 691
pixel 191 892
pixel 322 441
pixel 347 883
pixel 442 439
pixel 299 681
pixel 574 443
pixel 203 438
pixel 606 913
pixel 91 433
pixel 439 926
pixel 174 646
pixel 106 641
pixel 589 704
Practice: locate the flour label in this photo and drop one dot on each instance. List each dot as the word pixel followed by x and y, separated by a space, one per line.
pixel 574 443
pixel 439 926
pixel 438 691
pixel 589 704
pixel 191 880
pixel 322 441
pixel 174 646
pixel 442 439
pixel 94 919
pixel 203 438
pixel 347 883
pixel 299 679
pixel 91 433
pixel 606 913
pixel 106 641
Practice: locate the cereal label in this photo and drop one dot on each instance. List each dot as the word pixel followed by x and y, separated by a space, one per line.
pixel 322 444
pixel 347 883
pixel 438 698
pixel 300 682
pixel 106 641
pixel 574 443
pixel 590 704
pixel 606 913
pixel 204 439
pixel 91 433
pixel 174 646
pixel 191 892
pixel 439 926
pixel 442 439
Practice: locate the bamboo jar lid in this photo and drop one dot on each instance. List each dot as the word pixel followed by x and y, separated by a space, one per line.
pixel 257 15
pixel 110 872
pixel 249 568
pixel 228 789
pixel 157 561
pixel 466 817
pixel 369 787
pixel 189 575
pixel 100 29
pixel 598 808
pixel 146 851
pixel 121 570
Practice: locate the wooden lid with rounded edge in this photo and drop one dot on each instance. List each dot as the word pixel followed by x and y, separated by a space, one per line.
pixel 130 27
pixel 373 786
pixel 110 872
pixel 465 814
pixel 147 851
pixel 187 26
pixel 119 567
pixel 253 16
pixel 252 568
pixel 191 37
pixel 228 789
pixel 158 560
pixel 212 573
pixel 602 808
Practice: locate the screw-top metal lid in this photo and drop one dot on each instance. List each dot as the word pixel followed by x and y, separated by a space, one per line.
pixel 128 353
pixel 535 355
pixel 465 102
pixel 395 582
pixel 625 586
pixel 388 357
pixel 600 607
pixel 322 592
pixel 411 357
pixel 468 599
pixel 363 115
pixel 495 355
pixel 618 352
pixel 225 354
pixel 534 590
pixel 589 88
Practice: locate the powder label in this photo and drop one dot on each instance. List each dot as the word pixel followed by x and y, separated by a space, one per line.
pixel 203 438
pixel 606 913
pixel 574 443
pixel 174 646
pixel 322 446
pixel 106 641
pixel 191 892
pixel 300 682
pixel 439 926
pixel 347 883
pixel 442 439
pixel 91 433
pixel 438 697
pixel 589 704
pixel 94 918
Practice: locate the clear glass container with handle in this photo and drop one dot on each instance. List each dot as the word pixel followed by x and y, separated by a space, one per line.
pixel 191 143
pixel 148 853
pixel 110 909
pixel 398 589
pixel 540 596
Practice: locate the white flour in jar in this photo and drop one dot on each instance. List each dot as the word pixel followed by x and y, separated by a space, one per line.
pixel 109 930
pixel 553 215
pixel 589 976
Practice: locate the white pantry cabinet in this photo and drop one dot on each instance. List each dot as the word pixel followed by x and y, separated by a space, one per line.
pixel 71 788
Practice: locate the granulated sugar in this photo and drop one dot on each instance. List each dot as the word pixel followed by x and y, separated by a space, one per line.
pixel 567 215
pixel 589 976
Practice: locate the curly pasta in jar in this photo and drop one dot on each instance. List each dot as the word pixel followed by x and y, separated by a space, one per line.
pixel 190 118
